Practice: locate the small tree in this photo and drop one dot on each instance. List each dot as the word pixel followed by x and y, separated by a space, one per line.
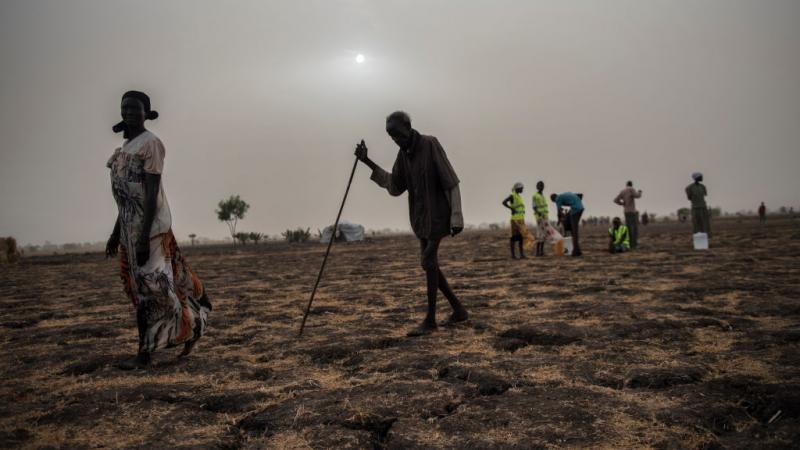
pixel 298 235
pixel 243 237
pixel 255 237
pixel 192 237
pixel 231 211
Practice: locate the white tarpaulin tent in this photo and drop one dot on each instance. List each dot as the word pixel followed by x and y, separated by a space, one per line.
pixel 348 232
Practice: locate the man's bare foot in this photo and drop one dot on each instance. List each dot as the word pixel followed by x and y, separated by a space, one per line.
pixel 423 329
pixel 457 317
pixel 187 348
pixel 140 361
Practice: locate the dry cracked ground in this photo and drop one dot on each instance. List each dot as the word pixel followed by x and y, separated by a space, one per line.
pixel 662 348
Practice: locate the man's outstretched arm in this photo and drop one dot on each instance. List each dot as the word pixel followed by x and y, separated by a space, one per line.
pixel 391 181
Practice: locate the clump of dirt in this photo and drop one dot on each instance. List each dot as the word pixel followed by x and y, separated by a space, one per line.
pixel 660 378
pixel 487 383
pixel 550 334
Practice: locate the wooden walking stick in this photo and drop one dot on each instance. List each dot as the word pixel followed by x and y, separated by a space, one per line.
pixel 330 244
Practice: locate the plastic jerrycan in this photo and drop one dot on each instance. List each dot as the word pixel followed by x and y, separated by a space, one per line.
pixel 700 241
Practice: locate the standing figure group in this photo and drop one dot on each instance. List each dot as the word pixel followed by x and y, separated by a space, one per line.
pixel 520 235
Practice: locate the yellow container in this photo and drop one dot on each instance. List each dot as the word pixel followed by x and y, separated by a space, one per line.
pixel 558 248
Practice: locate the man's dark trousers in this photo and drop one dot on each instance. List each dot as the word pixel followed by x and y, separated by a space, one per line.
pixel 632 221
pixel 575 222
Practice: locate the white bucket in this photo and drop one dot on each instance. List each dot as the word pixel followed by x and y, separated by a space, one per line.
pixel 700 241
pixel 568 245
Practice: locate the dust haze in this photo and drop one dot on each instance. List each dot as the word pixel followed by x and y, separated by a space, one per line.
pixel 265 100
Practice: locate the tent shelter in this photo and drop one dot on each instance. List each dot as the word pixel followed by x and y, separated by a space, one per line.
pixel 347 232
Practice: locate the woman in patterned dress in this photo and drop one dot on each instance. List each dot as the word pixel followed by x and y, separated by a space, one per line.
pixel 171 304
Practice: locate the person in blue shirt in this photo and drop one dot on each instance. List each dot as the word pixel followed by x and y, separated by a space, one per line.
pixel 575 203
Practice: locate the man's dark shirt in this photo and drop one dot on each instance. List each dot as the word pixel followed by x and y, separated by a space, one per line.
pixel 424 171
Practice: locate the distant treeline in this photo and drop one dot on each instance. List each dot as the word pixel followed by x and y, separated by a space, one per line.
pixel 304 234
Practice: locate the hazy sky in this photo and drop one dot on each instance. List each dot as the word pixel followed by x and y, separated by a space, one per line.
pixel 264 99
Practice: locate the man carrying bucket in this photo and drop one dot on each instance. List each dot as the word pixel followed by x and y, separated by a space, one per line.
pixel 696 193
pixel 573 217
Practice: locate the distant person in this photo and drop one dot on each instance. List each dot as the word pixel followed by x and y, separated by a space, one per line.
pixel 696 193
pixel 519 231
pixel 541 213
pixel 645 219
pixel 171 304
pixel 627 199
pixel 619 237
pixel 573 217
pixel 434 204
pixel 762 213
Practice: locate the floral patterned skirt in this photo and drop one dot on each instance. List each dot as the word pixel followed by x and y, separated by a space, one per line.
pixel 171 304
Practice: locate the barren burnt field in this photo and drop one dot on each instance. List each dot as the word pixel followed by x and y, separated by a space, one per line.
pixel 662 348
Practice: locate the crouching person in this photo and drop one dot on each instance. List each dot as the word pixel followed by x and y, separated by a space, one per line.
pixel 619 237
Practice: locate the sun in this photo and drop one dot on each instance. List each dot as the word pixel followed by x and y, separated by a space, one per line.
pixel 360 58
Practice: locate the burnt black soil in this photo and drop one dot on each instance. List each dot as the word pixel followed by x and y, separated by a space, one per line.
pixel 661 348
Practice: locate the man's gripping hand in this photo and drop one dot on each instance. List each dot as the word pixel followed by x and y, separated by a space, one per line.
pixel 361 151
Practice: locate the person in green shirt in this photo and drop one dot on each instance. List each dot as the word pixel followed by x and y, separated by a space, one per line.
pixel 696 193
pixel 519 231
pixel 541 213
pixel 620 237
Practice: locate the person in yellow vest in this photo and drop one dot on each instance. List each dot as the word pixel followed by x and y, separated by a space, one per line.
pixel 619 236
pixel 519 231
pixel 541 214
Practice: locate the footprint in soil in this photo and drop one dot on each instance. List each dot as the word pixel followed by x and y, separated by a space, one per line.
pixel 488 383
pixel 88 366
pixel 663 378
pixel 234 402
pixel 552 334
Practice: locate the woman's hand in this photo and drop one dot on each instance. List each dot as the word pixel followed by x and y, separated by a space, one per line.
pixel 112 246
pixel 142 251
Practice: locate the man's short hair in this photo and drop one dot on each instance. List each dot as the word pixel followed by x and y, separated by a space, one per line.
pixel 399 116
pixel 630 183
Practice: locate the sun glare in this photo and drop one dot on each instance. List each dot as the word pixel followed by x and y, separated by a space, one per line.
pixel 360 58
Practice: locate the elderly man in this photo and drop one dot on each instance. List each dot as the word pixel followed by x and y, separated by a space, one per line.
pixel 627 199
pixel 696 193
pixel 434 204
